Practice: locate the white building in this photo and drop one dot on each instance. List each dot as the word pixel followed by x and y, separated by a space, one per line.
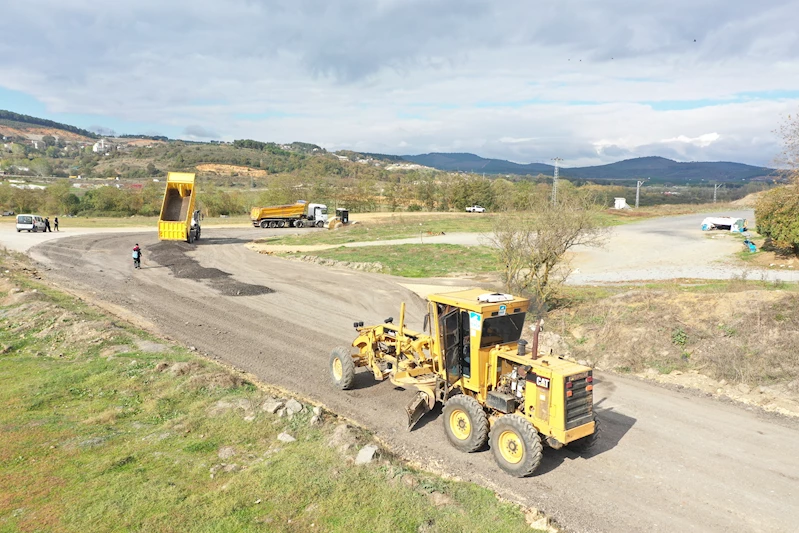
pixel 621 203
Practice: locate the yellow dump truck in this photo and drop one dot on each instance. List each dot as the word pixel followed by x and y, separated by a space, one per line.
pixel 179 220
pixel 297 215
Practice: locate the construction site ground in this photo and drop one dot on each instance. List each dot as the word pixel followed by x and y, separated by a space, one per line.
pixel 669 458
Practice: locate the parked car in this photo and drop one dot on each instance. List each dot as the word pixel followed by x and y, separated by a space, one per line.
pixel 30 223
pixel 475 209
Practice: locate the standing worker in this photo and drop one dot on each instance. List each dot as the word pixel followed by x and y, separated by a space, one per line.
pixel 136 256
pixel 47 224
pixel 55 223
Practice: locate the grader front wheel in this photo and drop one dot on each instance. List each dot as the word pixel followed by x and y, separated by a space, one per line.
pixel 516 445
pixel 342 368
pixel 465 423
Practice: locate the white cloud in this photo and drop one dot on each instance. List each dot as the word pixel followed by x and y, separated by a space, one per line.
pixel 702 141
pixel 513 79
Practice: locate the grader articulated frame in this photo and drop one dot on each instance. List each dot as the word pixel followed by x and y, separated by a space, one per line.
pixel 474 361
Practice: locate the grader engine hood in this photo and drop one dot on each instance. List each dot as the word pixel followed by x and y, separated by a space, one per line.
pixel 560 394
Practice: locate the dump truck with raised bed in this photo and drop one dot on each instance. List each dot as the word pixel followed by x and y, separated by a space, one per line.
pixel 297 215
pixel 179 221
pixel 473 360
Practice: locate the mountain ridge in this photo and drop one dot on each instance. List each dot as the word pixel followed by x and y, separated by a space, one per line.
pixel 654 167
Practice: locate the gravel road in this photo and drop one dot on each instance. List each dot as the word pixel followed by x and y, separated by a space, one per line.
pixel 668 460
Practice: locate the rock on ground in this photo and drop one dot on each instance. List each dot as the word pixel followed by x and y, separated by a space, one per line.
pixel 293 407
pixel 366 454
pixel 226 452
pixel 343 438
pixel 272 406
pixel 439 499
pixel 285 437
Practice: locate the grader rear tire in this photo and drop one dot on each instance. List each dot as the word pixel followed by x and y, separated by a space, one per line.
pixel 342 368
pixel 465 423
pixel 589 441
pixel 516 445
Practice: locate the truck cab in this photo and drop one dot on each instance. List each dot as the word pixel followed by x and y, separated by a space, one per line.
pixel 317 214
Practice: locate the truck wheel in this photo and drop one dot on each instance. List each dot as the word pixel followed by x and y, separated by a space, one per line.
pixel 320 224
pixel 299 224
pixel 281 224
pixel 197 238
pixel 264 224
pixel 465 423
pixel 586 443
pixel 516 445
pixel 342 368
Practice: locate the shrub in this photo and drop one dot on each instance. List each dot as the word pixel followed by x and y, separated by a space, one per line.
pixel 777 214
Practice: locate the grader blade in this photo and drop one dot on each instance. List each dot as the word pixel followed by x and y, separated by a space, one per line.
pixel 417 409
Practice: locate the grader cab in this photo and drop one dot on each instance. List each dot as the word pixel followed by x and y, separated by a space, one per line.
pixel 471 358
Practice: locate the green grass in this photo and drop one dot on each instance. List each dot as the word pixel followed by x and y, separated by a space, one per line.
pixel 98 443
pixel 397 227
pixel 418 260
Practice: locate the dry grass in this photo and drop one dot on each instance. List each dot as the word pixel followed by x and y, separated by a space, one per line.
pixel 738 334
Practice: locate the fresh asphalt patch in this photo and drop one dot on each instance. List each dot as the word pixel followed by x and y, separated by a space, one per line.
pixel 172 255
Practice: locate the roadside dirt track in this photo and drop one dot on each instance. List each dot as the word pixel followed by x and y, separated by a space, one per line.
pixel 668 460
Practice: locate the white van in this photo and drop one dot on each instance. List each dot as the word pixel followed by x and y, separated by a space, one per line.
pixel 30 223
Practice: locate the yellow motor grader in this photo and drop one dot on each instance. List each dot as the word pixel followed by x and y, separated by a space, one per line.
pixel 475 363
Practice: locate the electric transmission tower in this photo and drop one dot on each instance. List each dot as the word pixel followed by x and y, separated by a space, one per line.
pixel 638 192
pixel 716 187
pixel 557 161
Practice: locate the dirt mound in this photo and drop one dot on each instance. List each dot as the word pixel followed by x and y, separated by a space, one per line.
pixel 231 170
pixel 200 376
pixel 747 201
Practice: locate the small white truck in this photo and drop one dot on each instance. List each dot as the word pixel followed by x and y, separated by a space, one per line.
pixel 475 209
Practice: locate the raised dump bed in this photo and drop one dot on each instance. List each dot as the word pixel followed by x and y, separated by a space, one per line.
pixel 178 220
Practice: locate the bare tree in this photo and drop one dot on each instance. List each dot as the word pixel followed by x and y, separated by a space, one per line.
pixel 788 160
pixel 532 246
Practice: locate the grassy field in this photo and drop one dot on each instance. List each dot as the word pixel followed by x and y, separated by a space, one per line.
pixel 418 260
pixel 394 226
pixel 105 428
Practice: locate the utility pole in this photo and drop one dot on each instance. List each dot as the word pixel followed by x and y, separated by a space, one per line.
pixel 557 161
pixel 638 192
pixel 716 188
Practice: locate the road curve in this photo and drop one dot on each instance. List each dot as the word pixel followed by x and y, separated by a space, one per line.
pixel 668 460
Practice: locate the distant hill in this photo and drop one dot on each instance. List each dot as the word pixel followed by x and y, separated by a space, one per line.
pixel 656 168
pixel 662 169
pixel 474 163
pixel 11 119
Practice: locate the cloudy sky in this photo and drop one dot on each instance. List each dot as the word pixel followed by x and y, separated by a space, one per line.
pixel 590 82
